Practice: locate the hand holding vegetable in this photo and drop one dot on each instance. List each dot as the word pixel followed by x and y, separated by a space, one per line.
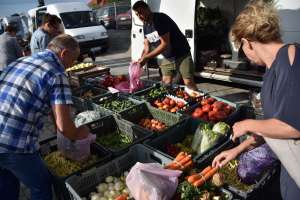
pixel 239 129
pixel 223 158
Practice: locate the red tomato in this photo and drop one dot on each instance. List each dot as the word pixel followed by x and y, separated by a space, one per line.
pixel 204 102
pixel 211 100
pixel 206 108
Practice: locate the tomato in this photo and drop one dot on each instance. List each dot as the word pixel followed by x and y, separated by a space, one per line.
pixel 198 110
pixel 215 109
pixel 206 108
pixel 204 102
pixel 195 115
pixel 166 101
pixel 180 104
pixel 220 115
pixel 172 103
pixel 173 110
pixel 211 100
pixel 218 104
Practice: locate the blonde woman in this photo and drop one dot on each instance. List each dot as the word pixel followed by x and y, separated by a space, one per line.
pixel 257 31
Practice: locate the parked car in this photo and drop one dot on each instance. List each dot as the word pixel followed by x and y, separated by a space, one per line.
pixel 123 20
pixel 109 13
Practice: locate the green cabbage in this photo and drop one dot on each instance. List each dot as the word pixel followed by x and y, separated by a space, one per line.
pixel 221 128
pixel 209 139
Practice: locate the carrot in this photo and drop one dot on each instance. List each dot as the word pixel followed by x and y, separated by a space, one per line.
pixel 188 164
pixel 193 178
pixel 205 170
pixel 185 159
pixel 207 176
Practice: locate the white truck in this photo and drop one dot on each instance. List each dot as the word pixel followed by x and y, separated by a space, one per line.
pixel 78 20
pixel 187 16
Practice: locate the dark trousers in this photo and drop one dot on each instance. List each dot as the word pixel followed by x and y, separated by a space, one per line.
pixel 288 187
pixel 30 170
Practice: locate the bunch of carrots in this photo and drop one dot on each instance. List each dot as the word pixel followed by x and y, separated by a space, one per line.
pixel 199 179
pixel 182 162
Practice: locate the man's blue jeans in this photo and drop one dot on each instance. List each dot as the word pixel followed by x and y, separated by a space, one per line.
pixel 30 170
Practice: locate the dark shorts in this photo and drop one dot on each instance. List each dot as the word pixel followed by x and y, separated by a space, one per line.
pixel 184 65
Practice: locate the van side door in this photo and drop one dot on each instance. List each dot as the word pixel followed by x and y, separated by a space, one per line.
pixel 137 36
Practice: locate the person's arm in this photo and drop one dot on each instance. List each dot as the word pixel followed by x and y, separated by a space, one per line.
pixel 164 42
pixel 272 128
pixel 61 100
pixel 19 52
pixel 228 155
pixel 65 124
pixel 146 48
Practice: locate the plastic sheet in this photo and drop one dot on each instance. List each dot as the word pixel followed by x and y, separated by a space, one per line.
pixel 78 150
pixel 152 182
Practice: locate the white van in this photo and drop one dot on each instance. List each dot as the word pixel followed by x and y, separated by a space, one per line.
pixel 186 15
pixel 78 20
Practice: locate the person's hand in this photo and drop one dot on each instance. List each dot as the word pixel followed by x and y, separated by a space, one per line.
pixel 143 60
pixel 83 132
pixel 223 158
pixel 239 129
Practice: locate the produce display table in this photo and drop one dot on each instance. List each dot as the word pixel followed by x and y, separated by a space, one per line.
pixel 77 77
pixel 150 144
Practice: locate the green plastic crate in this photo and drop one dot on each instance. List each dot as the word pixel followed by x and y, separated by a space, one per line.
pixel 112 125
pixel 50 145
pixel 82 185
pixel 135 114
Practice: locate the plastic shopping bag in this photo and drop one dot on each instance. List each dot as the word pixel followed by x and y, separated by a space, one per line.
pixel 78 150
pixel 134 83
pixel 135 73
pixel 254 162
pixel 152 182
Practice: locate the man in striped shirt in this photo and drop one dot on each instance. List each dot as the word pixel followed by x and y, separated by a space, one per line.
pixel 30 88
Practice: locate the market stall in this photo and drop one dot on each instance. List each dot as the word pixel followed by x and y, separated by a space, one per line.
pixel 163 129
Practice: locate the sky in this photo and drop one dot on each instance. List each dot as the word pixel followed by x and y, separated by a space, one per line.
pixel 8 7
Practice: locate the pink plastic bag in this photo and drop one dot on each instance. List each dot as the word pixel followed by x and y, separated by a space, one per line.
pixel 134 83
pixel 135 73
pixel 152 182
pixel 123 86
pixel 78 150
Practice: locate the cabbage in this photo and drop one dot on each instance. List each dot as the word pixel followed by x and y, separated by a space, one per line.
pixel 221 128
pixel 209 139
pixel 198 136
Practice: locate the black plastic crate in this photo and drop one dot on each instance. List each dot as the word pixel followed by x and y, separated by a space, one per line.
pixel 143 95
pixel 81 101
pixel 50 145
pixel 254 193
pixel 162 142
pixel 97 103
pixel 112 125
pixel 81 185
pixel 189 99
pixel 135 114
